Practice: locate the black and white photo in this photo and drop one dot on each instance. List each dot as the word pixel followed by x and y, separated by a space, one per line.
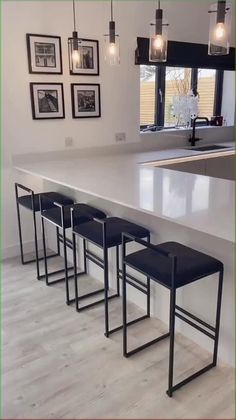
pixel 88 62
pixel 44 54
pixel 47 100
pixel 86 101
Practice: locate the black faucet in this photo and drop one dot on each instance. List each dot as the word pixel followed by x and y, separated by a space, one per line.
pixel 193 138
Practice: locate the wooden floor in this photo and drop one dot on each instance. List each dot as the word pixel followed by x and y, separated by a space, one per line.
pixel 58 364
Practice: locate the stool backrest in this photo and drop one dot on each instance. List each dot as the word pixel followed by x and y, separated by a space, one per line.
pixel 126 237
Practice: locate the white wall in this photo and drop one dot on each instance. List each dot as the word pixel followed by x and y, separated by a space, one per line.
pixel 119 86
pixel 228 100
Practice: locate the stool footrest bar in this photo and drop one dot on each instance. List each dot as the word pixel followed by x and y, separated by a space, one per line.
pixel 205 324
pixel 90 253
pixel 91 258
pixel 128 324
pixel 189 379
pixel 136 286
pixel 195 326
pixel 87 295
pixel 53 273
pixel 144 346
pixel 90 305
pixel 40 259
pixel 129 276
pixel 59 280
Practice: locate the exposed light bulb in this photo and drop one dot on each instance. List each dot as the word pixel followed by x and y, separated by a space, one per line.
pixel 158 42
pixel 220 31
pixel 112 49
pixel 76 58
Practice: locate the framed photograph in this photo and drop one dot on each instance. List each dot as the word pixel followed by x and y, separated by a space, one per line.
pixel 44 54
pixel 86 102
pixel 47 101
pixel 89 63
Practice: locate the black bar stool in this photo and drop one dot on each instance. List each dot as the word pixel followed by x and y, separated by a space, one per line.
pixel 31 202
pixel 60 216
pixel 106 234
pixel 174 265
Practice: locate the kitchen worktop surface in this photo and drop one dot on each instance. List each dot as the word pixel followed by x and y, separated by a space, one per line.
pixel 199 202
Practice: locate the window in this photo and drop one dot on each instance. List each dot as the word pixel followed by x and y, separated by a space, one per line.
pixel 178 82
pixel 159 85
pixel 147 95
pixel 206 91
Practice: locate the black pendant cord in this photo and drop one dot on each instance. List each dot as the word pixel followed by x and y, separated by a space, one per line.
pixel 111 10
pixel 112 30
pixel 74 15
pixel 159 4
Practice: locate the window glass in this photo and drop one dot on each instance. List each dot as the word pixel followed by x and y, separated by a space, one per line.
pixel 147 95
pixel 206 91
pixel 178 82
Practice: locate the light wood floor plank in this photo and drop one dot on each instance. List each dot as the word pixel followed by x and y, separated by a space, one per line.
pixel 58 364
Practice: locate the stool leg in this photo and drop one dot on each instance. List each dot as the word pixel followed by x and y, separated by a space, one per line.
pixel 117 271
pixel 106 288
pixel 58 242
pixel 66 267
pixel 85 256
pixel 218 311
pixel 148 297
pixel 36 244
pixel 124 305
pixel 148 288
pixel 75 273
pixel 172 341
pixel 19 227
pixel 44 252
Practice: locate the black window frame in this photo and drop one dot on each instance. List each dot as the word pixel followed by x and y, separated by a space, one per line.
pixel 160 84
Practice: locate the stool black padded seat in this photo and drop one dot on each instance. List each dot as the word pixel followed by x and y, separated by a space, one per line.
pixel 82 213
pixel 106 234
pixel 190 265
pixel 173 265
pixel 31 202
pixel 93 231
pixel 48 199
pixel 61 216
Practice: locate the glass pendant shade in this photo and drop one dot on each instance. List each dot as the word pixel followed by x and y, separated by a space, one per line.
pixel 112 43
pixel 220 29
pixel 158 44
pixel 158 41
pixel 112 50
pixel 75 53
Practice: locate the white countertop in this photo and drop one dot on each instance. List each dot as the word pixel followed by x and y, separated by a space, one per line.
pixel 199 202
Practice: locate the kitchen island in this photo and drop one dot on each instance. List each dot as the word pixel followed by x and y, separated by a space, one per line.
pixel 193 209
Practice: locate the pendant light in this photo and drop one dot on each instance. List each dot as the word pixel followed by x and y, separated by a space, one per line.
pixel 158 42
pixel 112 43
pixel 74 47
pixel 220 28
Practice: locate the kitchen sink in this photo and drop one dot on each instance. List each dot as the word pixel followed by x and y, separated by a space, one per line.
pixel 208 148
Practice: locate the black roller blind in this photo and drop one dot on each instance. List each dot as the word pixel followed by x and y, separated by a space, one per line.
pixel 186 54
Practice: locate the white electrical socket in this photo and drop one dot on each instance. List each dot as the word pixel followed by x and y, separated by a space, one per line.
pixel 69 141
pixel 120 137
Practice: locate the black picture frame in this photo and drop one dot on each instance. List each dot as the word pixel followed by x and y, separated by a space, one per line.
pixel 95 70
pixel 42 111
pixel 92 110
pixel 36 60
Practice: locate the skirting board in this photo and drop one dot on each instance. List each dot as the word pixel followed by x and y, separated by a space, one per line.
pixel 14 250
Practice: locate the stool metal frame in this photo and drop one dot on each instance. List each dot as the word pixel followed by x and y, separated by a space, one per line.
pixel 175 311
pixel 103 263
pixel 67 243
pixel 37 259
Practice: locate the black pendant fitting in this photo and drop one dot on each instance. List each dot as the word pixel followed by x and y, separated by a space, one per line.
pixel 112 32
pixel 159 18
pixel 221 10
